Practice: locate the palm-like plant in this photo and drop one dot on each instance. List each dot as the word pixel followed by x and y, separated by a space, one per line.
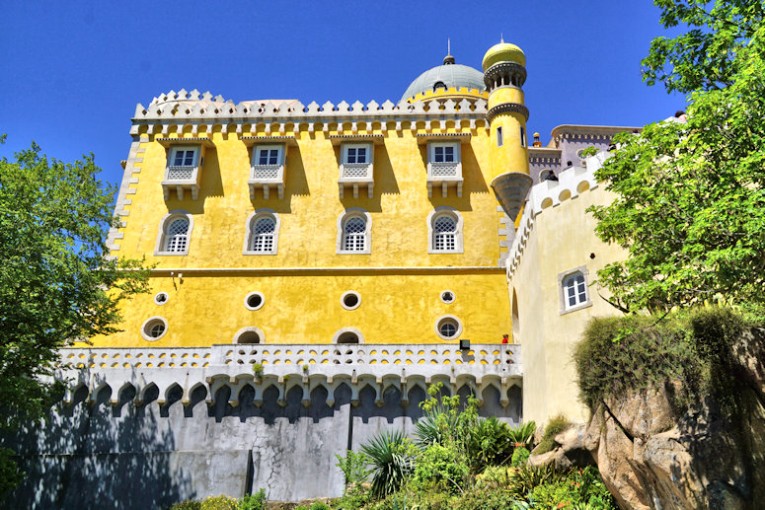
pixel 390 460
pixel 523 434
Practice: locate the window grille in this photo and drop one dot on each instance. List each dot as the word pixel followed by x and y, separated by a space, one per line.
pixel 354 234
pixel 176 236
pixel 263 235
pixel 445 233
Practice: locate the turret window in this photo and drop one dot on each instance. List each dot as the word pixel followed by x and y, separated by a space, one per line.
pixel 500 141
pixel 523 137
pixel 573 290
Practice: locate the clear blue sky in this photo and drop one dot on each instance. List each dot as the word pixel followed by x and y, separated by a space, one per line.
pixel 71 73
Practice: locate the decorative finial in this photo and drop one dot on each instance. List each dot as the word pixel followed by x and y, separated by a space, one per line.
pixel 448 59
pixel 501 37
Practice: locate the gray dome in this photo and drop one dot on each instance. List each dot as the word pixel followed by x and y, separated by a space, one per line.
pixel 451 75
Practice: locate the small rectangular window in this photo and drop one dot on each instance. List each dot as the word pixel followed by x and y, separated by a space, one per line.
pixel 268 156
pixel 356 155
pixel 523 137
pixel 444 154
pixel 184 157
pixel 499 137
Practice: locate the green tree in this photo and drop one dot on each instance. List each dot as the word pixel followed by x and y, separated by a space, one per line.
pixel 57 282
pixel 690 198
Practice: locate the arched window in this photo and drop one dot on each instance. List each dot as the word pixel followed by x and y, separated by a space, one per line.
pixel 262 233
pixel 249 335
pixel 573 289
pixel 175 231
pixel 354 230
pixel 445 227
pixel 348 336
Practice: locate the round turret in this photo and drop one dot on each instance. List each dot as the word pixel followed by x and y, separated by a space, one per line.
pixel 503 52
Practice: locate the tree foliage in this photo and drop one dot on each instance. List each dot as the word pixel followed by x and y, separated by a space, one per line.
pixel 57 282
pixel 690 197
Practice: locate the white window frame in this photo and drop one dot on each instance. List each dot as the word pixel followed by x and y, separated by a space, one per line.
pixel 251 220
pixel 148 321
pixel 457 334
pixel 354 212
pixel 160 247
pixel 563 279
pixel 457 153
pixel 258 149
pixel 178 148
pixel 369 151
pixel 458 236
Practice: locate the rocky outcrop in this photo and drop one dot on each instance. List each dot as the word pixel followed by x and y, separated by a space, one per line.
pixel 655 451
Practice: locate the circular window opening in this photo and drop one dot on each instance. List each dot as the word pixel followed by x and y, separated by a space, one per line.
pixel 248 337
pixel 448 328
pixel 447 296
pixel 154 328
pixel 348 338
pixel 161 298
pixel 350 300
pixel 254 301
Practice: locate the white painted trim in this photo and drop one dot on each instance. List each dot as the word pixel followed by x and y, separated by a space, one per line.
pixel 248 231
pixel 160 303
pixel 341 331
pixel 564 308
pixel 459 238
pixel 165 271
pixel 342 218
pixel 163 223
pixel 342 300
pixel 262 300
pixel 445 317
pixel 250 329
pixel 149 321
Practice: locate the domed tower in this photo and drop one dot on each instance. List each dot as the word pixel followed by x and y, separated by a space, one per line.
pixel 504 68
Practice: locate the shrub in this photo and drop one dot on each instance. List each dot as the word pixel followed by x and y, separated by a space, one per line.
pixel 520 457
pixel 187 505
pixel 489 444
pixel 441 467
pixel 493 477
pixel 219 503
pixel 524 434
pixel 581 487
pixel 554 427
pixel 354 498
pixel 390 456
pixel 255 501
pixel 318 505
pixel 526 478
pixel 488 500
pixel 355 467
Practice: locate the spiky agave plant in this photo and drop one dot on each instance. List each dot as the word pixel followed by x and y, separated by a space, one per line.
pixel 523 434
pixel 391 462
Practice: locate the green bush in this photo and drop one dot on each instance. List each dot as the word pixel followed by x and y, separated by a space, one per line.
pixel 187 505
pixel 493 477
pixel 554 427
pixel 355 467
pixel 526 478
pixel 356 496
pixel 635 352
pixel 578 488
pixel 255 501
pixel 520 457
pixel 524 434
pixel 441 467
pixel 219 503
pixel 489 443
pixel 488 500
pixel 318 505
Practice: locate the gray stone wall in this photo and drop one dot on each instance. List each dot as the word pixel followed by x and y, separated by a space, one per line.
pixel 150 453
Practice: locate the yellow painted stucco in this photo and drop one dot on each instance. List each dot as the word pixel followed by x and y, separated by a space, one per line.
pixel 303 282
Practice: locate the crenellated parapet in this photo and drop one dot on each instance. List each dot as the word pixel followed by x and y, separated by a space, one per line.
pixel 174 112
pixel 192 374
pixel 549 194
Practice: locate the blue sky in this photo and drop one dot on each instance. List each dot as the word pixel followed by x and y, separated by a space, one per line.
pixel 71 73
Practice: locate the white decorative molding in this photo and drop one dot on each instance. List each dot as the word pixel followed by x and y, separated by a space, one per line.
pixel 570 184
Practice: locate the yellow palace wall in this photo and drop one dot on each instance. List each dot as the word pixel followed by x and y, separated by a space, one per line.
pixel 399 281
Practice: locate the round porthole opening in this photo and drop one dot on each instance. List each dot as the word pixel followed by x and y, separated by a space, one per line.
pixel 161 298
pixel 254 300
pixel 154 328
pixel 348 338
pixel 248 337
pixel 448 328
pixel 448 297
pixel 350 300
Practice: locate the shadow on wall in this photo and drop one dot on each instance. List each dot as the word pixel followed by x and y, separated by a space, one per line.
pixel 86 455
